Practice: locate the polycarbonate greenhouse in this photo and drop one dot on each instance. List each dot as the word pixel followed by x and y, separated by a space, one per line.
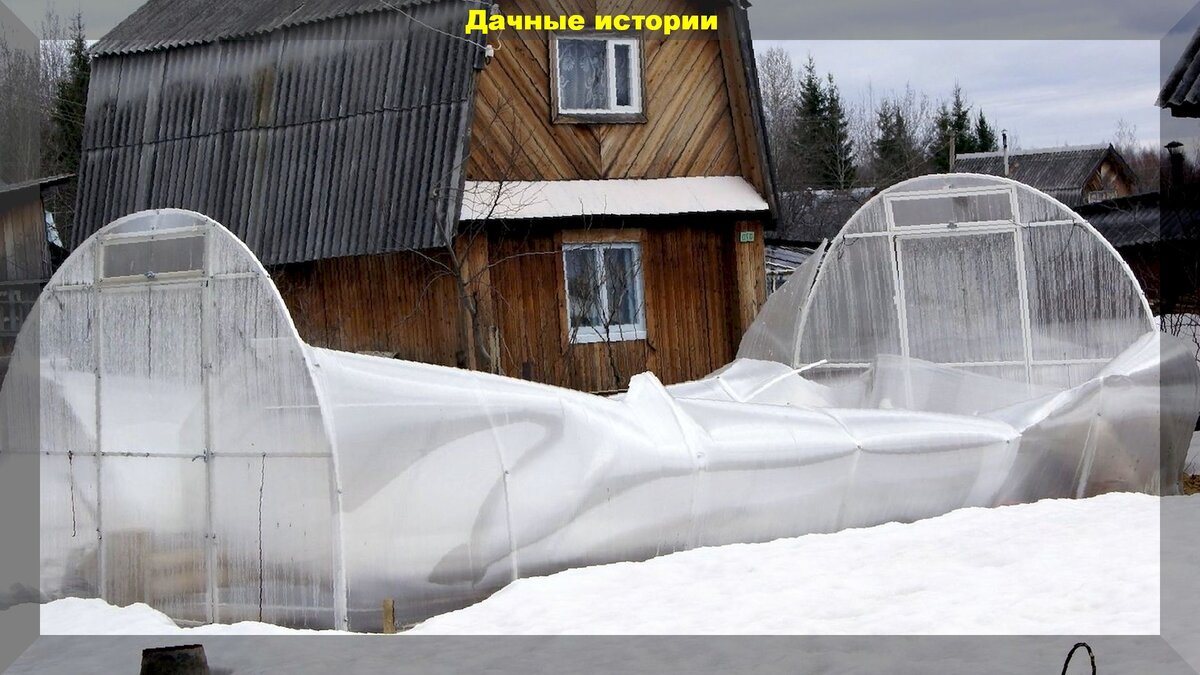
pixel 965 341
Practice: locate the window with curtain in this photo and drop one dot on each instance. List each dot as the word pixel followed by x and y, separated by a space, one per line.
pixel 598 76
pixel 605 296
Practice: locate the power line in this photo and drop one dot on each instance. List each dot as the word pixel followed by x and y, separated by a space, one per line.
pixel 414 19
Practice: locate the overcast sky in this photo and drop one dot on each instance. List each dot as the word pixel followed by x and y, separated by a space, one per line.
pixel 1047 92
pixel 1044 92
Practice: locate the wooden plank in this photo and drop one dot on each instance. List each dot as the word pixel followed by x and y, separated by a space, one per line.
pixel 685 89
pixel 735 78
pixel 749 274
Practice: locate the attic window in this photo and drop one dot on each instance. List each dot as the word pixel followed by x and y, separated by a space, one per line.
pixel 597 79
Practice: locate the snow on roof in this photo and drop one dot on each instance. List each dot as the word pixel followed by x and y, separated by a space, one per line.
pixel 483 200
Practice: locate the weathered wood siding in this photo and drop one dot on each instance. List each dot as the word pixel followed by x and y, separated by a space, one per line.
pixel 690 307
pixel 696 276
pixel 402 304
pixel 694 126
pixel 24 255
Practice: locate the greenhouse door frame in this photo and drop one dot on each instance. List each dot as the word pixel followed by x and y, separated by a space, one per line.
pixel 899 234
pixel 199 280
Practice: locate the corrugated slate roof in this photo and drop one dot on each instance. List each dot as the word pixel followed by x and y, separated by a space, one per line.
pixel 161 24
pixel 783 259
pixel 1059 172
pixel 1181 90
pixel 336 138
pixel 1140 219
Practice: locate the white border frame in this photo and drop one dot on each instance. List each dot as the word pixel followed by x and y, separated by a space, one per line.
pixel 635 76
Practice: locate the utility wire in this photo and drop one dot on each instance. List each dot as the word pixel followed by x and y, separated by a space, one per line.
pixel 414 19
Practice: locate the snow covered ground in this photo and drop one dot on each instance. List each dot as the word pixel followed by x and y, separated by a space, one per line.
pixel 1055 567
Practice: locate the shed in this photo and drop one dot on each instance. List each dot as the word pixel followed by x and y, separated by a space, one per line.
pixel 29 246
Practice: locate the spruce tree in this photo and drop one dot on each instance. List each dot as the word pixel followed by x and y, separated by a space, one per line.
pixel 897 155
pixel 65 143
pixel 836 149
pixel 952 131
pixel 807 129
pixel 985 135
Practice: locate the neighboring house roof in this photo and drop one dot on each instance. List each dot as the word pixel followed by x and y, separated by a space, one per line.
pixel 162 24
pixel 1061 173
pixel 1181 90
pixel 13 193
pixel 784 259
pixel 490 200
pixel 1139 220
pixel 809 216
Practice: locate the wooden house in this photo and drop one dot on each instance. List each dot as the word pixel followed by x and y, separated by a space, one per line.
pixel 1074 175
pixel 566 207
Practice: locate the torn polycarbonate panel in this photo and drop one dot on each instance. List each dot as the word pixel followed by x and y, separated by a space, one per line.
pixel 206 461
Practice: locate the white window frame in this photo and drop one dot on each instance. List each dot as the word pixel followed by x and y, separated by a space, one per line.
pixel 635 76
pixel 146 237
pixel 616 332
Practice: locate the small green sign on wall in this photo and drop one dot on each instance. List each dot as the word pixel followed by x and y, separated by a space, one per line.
pixel 746 237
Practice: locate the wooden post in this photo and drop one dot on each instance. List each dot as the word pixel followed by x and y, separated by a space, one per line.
pixel 750 276
pixel 389 616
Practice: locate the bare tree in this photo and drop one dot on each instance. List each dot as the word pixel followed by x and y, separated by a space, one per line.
pixel 780 95
pixel 1143 158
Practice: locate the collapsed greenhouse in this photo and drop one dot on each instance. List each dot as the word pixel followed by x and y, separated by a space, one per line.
pixel 965 341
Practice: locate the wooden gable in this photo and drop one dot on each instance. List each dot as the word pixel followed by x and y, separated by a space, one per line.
pixel 697 107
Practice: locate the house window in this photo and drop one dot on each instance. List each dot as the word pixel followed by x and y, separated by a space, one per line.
pixel 598 77
pixel 605 297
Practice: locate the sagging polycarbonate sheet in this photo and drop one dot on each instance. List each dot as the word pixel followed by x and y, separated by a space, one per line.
pixel 543 479
pixel 425 501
